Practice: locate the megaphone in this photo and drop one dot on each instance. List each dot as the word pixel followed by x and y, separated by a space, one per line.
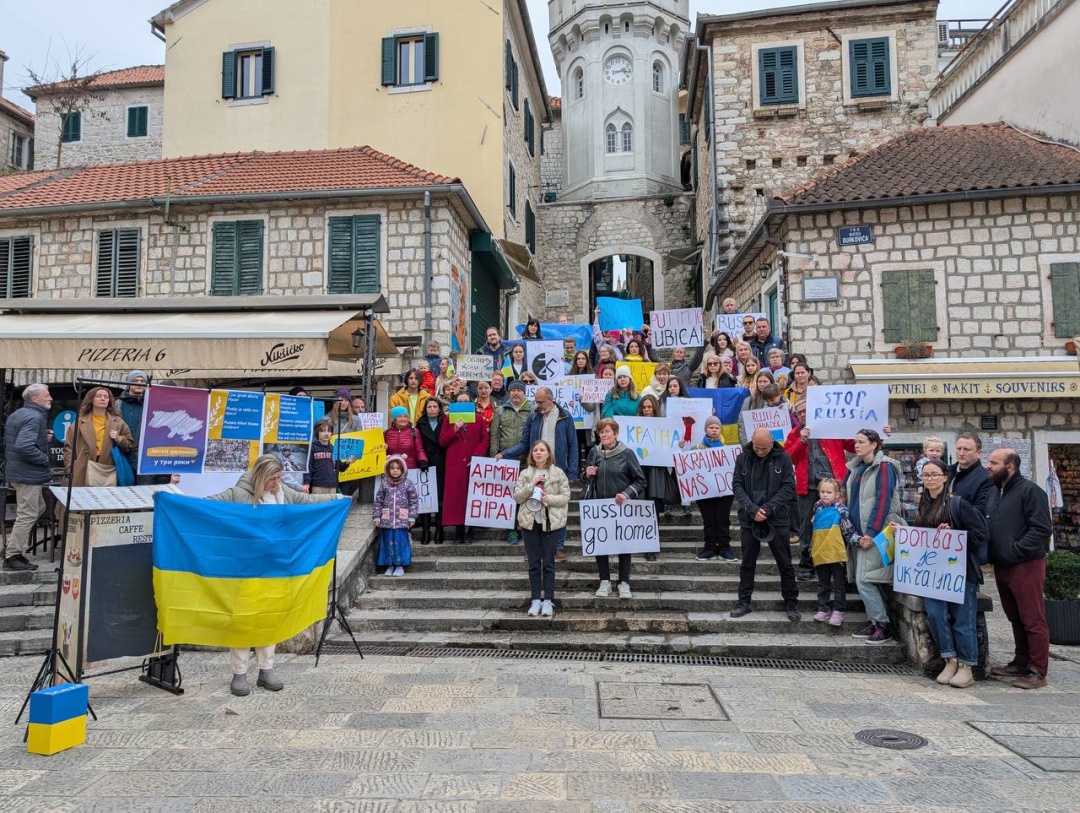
pixel 533 503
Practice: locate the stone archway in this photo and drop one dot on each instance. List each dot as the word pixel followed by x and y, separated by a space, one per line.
pixel 654 258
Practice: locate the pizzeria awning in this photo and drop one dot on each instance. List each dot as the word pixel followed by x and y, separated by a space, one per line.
pixel 251 334
pixel 973 378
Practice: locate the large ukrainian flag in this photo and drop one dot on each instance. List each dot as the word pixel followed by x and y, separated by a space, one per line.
pixel 238 575
pixel 727 406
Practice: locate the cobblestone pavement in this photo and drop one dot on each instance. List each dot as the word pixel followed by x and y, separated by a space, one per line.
pixel 457 735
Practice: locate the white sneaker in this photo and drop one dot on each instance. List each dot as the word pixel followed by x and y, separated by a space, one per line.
pixel 534 608
pixel 604 590
pixel 624 590
pixel 399 571
pixel 389 571
pixel 547 609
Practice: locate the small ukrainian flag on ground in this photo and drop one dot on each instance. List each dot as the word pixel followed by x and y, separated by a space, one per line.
pixel 58 718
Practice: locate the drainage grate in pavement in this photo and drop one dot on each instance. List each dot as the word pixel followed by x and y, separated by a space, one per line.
pixel 404 650
pixel 891 738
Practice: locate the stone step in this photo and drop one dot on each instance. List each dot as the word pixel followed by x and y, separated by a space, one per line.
pixel 514 556
pixel 834 648
pixel 437 601
pixel 45 574
pixel 29 594
pixel 487 543
pixel 648 622
pixel 26 617
pixel 26 642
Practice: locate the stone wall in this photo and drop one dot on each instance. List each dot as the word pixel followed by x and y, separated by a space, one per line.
pixel 9 128
pixel 762 153
pixel 104 131
pixel 551 162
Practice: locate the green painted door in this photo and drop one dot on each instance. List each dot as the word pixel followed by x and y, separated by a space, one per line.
pixel 485 302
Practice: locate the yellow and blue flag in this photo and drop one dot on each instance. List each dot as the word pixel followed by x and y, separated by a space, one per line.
pixel 240 575
pixel 727 407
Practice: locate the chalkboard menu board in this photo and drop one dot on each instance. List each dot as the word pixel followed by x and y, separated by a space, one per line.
pixel 123 617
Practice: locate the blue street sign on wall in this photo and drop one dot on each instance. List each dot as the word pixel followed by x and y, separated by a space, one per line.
pixel 854 235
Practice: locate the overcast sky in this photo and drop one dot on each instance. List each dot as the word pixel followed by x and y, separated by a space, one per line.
pixel 116 33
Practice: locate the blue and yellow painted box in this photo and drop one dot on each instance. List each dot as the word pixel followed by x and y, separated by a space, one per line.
pixel 58 718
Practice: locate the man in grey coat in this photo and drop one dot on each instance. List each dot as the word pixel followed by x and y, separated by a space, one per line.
pixel 27 469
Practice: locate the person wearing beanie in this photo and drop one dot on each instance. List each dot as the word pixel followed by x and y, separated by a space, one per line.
pixel 403 440
pixel 716 511
pixel 506 429
pixel 623 398
pixel 396 508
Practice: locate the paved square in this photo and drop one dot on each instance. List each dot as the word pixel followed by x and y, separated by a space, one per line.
pixel 658 701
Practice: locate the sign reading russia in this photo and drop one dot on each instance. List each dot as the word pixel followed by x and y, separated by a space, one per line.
pixel 839 411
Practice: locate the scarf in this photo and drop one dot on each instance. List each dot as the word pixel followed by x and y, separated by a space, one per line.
pixel 272 497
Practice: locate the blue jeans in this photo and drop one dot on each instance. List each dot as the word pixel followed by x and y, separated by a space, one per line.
pixel 560 543
pixel 952 626
pixel 869 591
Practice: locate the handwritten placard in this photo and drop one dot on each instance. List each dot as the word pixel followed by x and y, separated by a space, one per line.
pixel 732 323
pixel 703 474
pixel 931 563
pixel 474 368
pixel 425 482
pixel 692 412
pixel 776 419
pixel 372 420
pixel 369 449
pixel 641 372
pixel 653 440
pixel 490 501
pixel 607 528
pixel 840 411
pixel 595 390
pixel 677 328
pixel 619 314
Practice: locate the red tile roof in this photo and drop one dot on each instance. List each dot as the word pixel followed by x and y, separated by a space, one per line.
pixel 555 102
pixel 13 109
pixel 139 76
pixel 224 176
pixel 943 160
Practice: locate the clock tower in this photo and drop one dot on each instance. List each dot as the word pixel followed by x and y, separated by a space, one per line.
pixel 619 67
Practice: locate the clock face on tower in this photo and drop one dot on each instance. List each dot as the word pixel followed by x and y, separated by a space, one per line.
pixel 617 70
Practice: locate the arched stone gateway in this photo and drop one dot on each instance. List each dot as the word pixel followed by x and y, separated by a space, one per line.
pixel 642 275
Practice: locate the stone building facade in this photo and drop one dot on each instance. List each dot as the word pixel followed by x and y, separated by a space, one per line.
pixel 16 132
pixel 765 141
pixel 999 249
pixel 121 120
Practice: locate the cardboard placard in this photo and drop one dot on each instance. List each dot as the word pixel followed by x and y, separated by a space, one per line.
pixel 490 501
pixel 776 419
pixel 608 529
pixel 703 474
pixel 839 411
pixel 474 368
pixel 677 328
pixel 931 563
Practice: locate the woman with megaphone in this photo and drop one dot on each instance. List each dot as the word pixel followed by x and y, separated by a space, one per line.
pixel 543 491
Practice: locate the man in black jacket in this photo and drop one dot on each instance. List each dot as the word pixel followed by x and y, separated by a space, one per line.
pixel 764 486
pixel 26 447
pixel 968 477
pixel 1020 526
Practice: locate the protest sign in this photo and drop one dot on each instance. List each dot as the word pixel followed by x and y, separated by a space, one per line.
pixel 608 529
pixel 677 328
pixel 732 323
pixel 776 419
pixel 692 412
pixel 464 412
pixel 594 390
pixel 705 473
pixel 839 411
pixel 617 313
pixel 474 368
pixel 574 403
pixel 653 440
pixel 372 420
pixel 234 439
pixel 641 372
pixel 174 429
pixel 425 488
pixel 287 430
pixel 369 449
pixel 490 501
pixel 931 563
pixel 545 360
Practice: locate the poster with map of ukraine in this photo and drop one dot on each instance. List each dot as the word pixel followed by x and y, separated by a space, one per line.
pixel 172 439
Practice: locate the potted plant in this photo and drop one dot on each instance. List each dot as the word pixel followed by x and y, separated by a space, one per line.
pixel 1061 594
pixel 914 350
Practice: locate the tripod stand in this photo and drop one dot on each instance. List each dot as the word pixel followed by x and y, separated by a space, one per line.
pixel 333 613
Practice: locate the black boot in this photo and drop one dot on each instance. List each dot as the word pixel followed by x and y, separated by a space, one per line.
pixel 425 529
pixel 439 534
pixel 459 534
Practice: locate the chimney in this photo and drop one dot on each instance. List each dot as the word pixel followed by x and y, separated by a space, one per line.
pixel 3 59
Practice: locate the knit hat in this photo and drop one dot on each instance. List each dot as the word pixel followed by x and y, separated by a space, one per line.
pixel 623 370
pixel 135 374
pixel 344 392
pixel 515 385
pixel 398 412
pixel 712 420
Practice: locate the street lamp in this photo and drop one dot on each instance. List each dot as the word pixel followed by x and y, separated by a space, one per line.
pixel 912 410
pixel 357 338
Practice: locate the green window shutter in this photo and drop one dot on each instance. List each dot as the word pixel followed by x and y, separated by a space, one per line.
pixel 104 272
pixel 127 263
pixel 223 259
pixel 228 75
pixel 894 306
pixel 512 204
pixel 389 61
pixel 509 80
pixel 366 238
pixel 1065 295
pixel 16 255
pixel 514 86
pixel 267 72
pixel 529 129
pixel 922 304
pixel 541 140
pixel 869 70
pixel 137 121
pixel 71 127
pixel 778 75
pixel 708 118
pixel 530 228
pixel 340 274
pixel 684 129
pixel 249 239
pixel 431 57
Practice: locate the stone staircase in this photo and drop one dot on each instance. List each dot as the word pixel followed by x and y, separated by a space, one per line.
pixel 26 608
pixel 476 595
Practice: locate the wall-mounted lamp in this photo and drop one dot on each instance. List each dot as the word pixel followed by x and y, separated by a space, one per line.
pixel 912 410
pixel 765 269
pixel 357 338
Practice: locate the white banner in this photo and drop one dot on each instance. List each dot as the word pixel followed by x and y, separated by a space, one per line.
pixel 545 360
pixel 426 490
pixel 732 323
pixel 692 412
pixel 608 529
pixel 653 440
pixel 595 390
pixel 776 419
pixel 474 368
pixel 677 328
pixel 839 411
pixel 490 502
pixel 931 563
pixel 706 473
